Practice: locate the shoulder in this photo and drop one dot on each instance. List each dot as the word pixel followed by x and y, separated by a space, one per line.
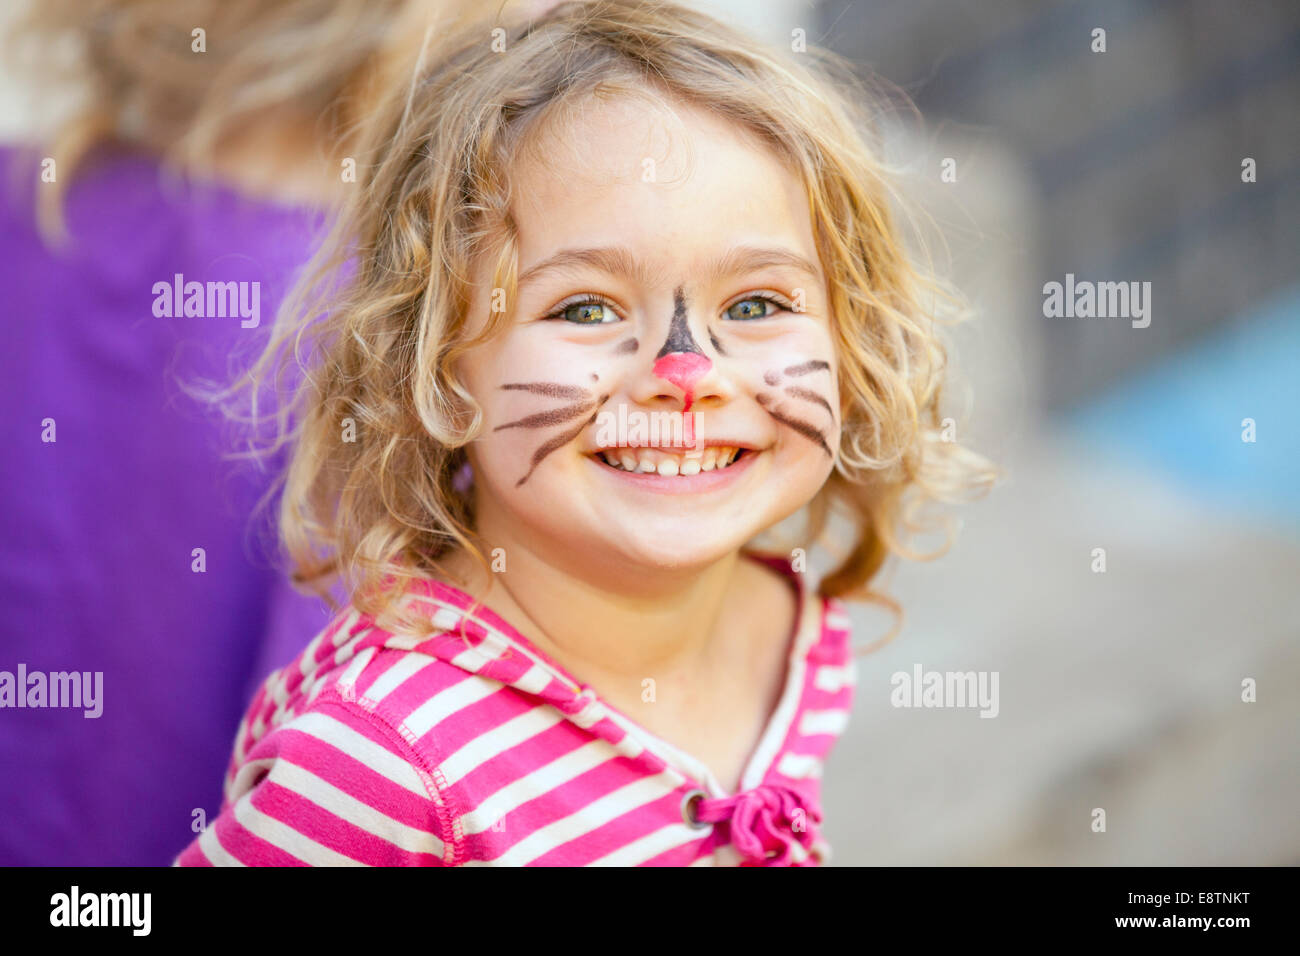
pixel 335 784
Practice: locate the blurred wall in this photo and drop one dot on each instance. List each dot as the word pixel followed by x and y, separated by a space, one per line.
pixel 1135 154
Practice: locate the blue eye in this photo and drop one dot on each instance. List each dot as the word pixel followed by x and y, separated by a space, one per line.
pixel 588 309
pixel 754 307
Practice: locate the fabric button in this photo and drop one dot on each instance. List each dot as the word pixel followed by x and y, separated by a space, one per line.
pixel 689 803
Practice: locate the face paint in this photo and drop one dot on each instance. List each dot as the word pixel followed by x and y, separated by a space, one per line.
pixel 586 403
pixel 546 480
pixel 816 365
pixel 681 361
pixel 806 429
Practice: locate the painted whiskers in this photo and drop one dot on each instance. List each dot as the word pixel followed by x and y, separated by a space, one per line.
pixel 681 362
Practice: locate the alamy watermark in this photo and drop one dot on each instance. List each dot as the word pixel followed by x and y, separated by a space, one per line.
pixel 921 688
pixel 624 429
pixel 62 689
pixel 208 300
pixel 1101 300
pixel 75 908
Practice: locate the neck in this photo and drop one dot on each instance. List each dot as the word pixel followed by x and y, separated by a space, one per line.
pixel 671 627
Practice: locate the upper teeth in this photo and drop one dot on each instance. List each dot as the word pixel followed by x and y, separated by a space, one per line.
pixel 670 463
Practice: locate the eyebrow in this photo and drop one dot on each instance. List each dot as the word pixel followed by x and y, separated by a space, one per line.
pixel 617 260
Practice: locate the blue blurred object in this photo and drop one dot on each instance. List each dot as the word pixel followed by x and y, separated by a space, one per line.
pixel 1184 415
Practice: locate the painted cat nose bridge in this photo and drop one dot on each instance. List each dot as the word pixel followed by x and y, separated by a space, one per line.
pixel 681 361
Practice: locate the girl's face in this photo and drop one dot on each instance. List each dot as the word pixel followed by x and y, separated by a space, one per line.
pixel 666 266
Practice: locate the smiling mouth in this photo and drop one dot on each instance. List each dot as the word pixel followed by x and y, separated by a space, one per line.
pixel 668 464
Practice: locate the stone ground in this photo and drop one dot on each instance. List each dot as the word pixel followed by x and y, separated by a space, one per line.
pixel 1119 691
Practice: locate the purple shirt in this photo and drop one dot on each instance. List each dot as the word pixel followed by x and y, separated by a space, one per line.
pixel 99 570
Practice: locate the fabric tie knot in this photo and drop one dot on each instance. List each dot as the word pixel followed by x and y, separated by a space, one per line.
pixel 766 822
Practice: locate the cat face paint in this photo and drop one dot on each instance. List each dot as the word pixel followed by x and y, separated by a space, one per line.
pixel 801 426
pixel 638 298
pixel 681 361
pixel 582 401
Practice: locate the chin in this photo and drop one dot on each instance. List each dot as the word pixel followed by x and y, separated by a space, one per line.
pixel 676 544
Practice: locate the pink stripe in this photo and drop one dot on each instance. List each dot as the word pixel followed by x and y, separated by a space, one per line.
pixel 561 801
pixel 357 780
pixel 481 717
pixel 318 824
pixel 513 764
pixel 379 665
pixel 617 833
pixel 418 690
pixel 193 856
pixel 688 853
pixel 248 848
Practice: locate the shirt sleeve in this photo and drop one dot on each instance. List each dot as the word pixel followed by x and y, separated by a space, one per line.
pixel 334 786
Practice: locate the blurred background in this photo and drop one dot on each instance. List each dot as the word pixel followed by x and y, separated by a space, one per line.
pixel 1119 689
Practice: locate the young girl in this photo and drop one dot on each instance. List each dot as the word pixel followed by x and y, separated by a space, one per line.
pixel 622 293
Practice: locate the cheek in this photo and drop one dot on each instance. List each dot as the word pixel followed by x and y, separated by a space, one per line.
pixel 536 396
pixel 772 352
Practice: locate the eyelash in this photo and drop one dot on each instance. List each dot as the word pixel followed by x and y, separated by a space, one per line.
pixel 582 298
pixel 595 298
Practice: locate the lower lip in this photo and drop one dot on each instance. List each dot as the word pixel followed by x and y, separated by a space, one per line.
pixel 681 484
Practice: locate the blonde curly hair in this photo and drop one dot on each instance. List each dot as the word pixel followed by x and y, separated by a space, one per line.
pixel 373 332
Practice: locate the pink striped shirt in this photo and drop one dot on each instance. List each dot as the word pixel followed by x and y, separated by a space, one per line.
pixel 469 747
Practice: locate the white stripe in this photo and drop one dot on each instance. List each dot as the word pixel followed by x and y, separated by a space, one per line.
pixel 349 677
pixel 247 776
pixel 837 621
pixel 675 757
pixel 475 658
pixel 212 849
pixel 406 667
pixel 799 766
pixel 307 659
pixel 409 642
pixel 592 713
pixel 534 680
pixel 494 639
pixel 380 759
pixel 240 736
pixel 344 633
pixel 651 845
pixel 823 722
pixel 484 747
pixel 582 821
pixel 543 780
pixel 317 686
pixel 809 634
pixel 280 691
pixel 347 807
pixel 834 679
pixel 287 838
pixel 447 702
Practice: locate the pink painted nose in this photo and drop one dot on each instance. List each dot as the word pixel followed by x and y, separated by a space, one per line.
pixel 683 369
